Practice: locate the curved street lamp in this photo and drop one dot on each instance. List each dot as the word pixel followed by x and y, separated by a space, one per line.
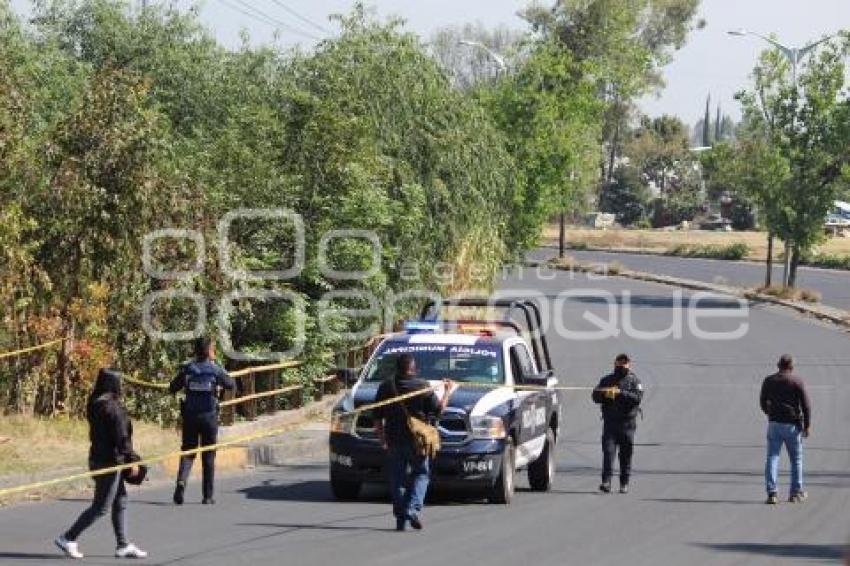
pixel 499 59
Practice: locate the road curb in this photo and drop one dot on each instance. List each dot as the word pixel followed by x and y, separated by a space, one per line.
pixel 836 316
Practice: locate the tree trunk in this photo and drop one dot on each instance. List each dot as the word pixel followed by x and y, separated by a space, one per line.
pixel 786 271
pixel 768 275
pixel 795 262
pixel 562 236
pixel 612 156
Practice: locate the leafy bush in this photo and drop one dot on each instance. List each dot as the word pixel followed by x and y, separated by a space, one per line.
pixel 736 251
pixel 828 261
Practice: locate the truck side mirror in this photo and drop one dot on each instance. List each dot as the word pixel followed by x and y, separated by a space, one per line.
pixel 347 376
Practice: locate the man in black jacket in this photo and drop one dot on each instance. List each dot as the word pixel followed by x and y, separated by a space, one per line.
pixel 619 394
pixel 784 400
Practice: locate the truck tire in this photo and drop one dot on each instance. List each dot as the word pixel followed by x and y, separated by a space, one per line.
pixel 344 490
pixel 502 492
pixel 541 472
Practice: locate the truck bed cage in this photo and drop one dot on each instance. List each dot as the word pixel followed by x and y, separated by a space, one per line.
pixel 527 308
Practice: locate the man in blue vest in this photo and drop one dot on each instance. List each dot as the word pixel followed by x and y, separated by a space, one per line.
pixel 202 380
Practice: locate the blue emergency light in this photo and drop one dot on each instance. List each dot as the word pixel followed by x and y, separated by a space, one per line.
pixel 421 326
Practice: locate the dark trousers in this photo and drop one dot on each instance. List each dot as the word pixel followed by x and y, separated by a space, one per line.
pixel 109 492
pixel 409 475
pixel 617 435
pixel 199 430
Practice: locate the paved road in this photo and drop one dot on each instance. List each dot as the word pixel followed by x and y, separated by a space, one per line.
pixel 833 285
pixel 697 492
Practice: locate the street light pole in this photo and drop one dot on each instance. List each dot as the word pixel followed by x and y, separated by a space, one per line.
pixel 795 56
pixel 499 59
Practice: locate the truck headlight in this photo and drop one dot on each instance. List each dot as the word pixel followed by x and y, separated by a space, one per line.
pixel 342 423
pixel 487 428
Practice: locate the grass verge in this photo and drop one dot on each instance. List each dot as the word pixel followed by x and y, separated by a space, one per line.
pixel 34 448
pixel 833 253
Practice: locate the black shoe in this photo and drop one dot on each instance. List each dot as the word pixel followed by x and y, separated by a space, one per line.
pixel 605 487
pixel 208 501
pixel 401 525
pixel 416 522
pixel 624 488
pixel 178 493
pixel 772 499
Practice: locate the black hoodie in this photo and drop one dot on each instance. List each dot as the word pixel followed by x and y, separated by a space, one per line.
pixel 110 430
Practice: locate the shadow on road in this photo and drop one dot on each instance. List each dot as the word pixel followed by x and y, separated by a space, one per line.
pixel 805 551
pixel 319 491
pixel 29 556
pixel 706 501
pixel 657 301
pixel 314 491
pixel 329 526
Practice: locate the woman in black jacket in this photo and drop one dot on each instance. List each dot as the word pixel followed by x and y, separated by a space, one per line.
pixel 111 435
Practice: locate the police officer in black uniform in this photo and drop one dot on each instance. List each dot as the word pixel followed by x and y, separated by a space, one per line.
pixel 202 380
pixel 619 394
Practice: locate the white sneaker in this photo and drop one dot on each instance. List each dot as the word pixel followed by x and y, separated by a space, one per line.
pixel 130 551
pixel 70 548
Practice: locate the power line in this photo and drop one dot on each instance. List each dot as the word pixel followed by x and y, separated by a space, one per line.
pixel 278 22
pixel 246 9
pixel 304 19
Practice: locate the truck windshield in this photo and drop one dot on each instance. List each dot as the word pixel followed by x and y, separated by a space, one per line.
pixel 469 364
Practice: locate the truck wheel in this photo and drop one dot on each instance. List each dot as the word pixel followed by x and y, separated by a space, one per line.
pixel 344 490
pixel 541 472
pixel 503 490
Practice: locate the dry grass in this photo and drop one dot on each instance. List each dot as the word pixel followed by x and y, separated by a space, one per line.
pixel 804 295
pixel 664 241
pixel 40 446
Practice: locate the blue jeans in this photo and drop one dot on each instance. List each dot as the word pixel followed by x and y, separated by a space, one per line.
pixel 791 436
pixel 409 474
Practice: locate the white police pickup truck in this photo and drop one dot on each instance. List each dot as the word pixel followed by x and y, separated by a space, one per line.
pixel 489 430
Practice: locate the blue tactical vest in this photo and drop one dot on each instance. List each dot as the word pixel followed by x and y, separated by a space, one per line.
pixel 201 380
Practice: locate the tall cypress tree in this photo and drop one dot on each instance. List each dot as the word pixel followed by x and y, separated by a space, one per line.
pixel 706 123
pixel 718 124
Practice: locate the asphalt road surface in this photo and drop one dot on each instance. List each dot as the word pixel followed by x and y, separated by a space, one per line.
pixel 697 491
pixel 834 285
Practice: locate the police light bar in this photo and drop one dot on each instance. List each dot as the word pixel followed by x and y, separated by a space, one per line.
pixel 479 329
pixel 421 326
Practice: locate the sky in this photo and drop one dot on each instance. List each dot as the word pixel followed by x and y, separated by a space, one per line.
pixel 712 61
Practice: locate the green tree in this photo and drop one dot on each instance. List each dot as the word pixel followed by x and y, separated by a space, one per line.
pixel 625 44
pixel 806 128
pixel 551 118
pixel 628 196
pixel 706 124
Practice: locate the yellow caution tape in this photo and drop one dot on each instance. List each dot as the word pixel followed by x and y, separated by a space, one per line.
pixel 239 400
pixel 31 349
pixel 258 369
pixel 240 440
pixel 142 383
pixel 239 373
